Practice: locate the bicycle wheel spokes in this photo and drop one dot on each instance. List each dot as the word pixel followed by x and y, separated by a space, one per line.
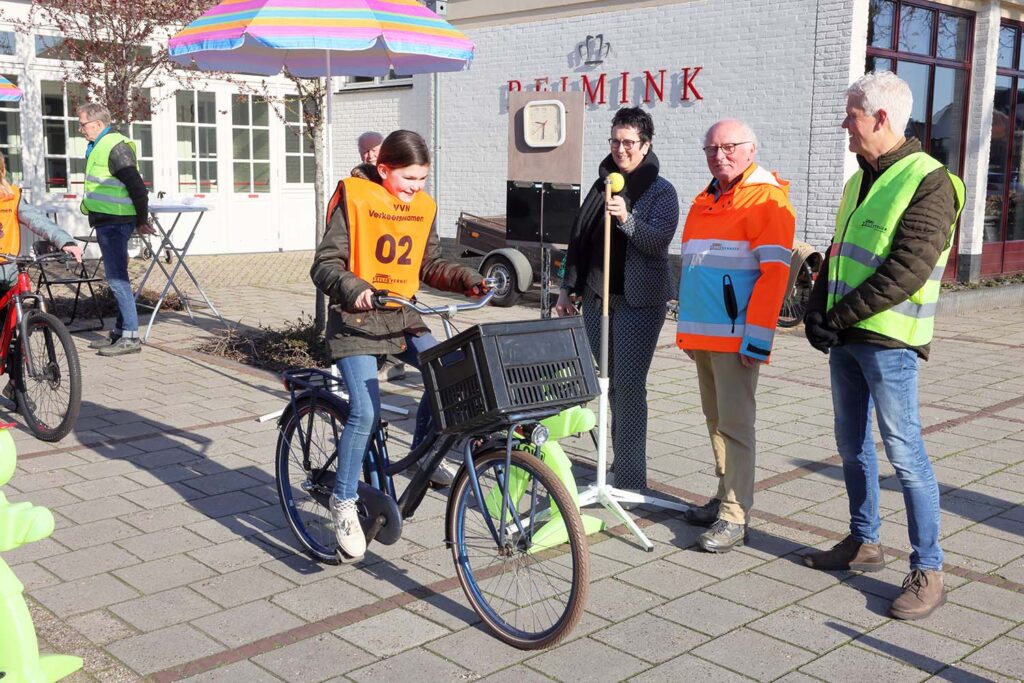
pixel 305 484
pixel 50 391
pixel 529 594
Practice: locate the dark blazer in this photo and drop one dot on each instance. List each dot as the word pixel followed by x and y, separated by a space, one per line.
pixel 650 228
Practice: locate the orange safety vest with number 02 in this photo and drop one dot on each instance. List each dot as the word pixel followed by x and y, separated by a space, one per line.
pixel 387 237
pixel 10 229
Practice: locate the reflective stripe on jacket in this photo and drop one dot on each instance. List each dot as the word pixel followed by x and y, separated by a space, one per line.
pixel 736 254
pixel 104 193
pixel 864 236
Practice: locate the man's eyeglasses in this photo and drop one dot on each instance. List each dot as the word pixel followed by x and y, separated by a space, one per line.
pixel 727 148
pixel 624 144
pixel 81 126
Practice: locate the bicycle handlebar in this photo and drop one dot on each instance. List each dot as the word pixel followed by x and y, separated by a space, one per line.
pixel 381 298
pixel 21 260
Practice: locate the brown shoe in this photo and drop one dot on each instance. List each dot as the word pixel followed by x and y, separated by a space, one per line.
pixel 848 554
pixel 923 593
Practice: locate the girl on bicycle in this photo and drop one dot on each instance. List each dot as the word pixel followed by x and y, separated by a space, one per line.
pixel 381 234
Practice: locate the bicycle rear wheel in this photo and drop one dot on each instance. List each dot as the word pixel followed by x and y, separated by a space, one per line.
pixel 529 593
pixel 304 484
pixel 795 304
pixel 50 397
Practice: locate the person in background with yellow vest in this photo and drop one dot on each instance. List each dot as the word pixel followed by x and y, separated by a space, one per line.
pixel 736 250
pixel 117 203
pixel 15 213
pixel 872 310
pixel 381 234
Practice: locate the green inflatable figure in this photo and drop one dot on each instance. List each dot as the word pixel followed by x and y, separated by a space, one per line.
pixel 21 523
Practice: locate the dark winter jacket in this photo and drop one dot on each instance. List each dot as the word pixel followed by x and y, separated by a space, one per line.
pixel 923 233
pixel 358 333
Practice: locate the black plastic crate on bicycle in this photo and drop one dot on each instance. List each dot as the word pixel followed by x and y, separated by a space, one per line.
pixel 497 373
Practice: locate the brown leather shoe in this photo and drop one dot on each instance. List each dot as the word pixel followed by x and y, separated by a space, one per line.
pixel 923 593
pixel 848 554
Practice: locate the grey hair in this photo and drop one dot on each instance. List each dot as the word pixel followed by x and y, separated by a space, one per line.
pixel 747 131
pixel 95 111
pixel 369 140
pixel 884 91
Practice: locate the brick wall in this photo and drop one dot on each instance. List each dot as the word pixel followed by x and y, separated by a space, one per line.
pixel 779 65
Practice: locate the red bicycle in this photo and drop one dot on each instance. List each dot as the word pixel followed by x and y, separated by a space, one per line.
pixel 39 356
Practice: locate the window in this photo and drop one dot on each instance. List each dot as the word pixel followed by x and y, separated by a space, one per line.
pixel 8 44
pixel 250 141
pixel 1003 242
pixel 298 146
pixel 197 141
pixel 10 135
pixel 63 144
pixel 141 133
pixel 928 46
pixel 391 80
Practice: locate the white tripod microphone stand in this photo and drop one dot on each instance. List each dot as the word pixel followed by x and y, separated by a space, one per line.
pixel 601 492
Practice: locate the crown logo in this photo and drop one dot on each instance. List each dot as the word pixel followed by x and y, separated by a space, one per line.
pixel 593 50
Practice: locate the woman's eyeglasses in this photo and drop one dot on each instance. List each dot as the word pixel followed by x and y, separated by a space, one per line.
pixel 624 144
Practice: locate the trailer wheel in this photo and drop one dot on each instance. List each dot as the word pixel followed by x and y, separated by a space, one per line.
pixel 499 266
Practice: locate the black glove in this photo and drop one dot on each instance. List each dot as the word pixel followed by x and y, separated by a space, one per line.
pixel 818 332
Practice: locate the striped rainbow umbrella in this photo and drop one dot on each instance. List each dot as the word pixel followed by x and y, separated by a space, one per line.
pixel 314 38
pixel 8 91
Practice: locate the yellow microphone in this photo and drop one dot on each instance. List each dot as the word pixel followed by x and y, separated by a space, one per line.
pixel 616 182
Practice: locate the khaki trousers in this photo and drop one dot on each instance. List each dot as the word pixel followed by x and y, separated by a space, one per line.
pixel 727 397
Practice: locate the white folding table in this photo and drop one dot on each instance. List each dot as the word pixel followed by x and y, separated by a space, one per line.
pixel 158 207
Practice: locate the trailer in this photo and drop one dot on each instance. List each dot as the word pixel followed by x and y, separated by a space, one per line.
pixel 521 265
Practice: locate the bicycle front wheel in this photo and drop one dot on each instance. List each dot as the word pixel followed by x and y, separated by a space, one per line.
pixel 529 588
pixel 305 477
pixel 48 376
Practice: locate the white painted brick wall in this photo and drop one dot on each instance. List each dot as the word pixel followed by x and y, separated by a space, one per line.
pixel 781 65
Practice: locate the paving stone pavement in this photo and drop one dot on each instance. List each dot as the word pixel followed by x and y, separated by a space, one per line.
pixel 171 559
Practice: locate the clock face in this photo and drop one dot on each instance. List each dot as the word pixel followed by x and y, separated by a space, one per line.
pixel 544 123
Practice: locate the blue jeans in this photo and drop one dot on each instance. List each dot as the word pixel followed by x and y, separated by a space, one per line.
pixel 113 241
pixel 360 375
pixel 866 375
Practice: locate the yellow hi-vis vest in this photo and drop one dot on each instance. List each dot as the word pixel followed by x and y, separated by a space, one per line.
pixel 864 235
pixel 10 228
pixel 387 237
pixel 104 193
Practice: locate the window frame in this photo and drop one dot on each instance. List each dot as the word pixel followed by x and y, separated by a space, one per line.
pixel 299 130
pixel 70 122
pixel 250 127
pixel 14 175
pixel 197 160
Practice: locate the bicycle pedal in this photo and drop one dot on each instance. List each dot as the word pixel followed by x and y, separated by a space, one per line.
pixel 345 559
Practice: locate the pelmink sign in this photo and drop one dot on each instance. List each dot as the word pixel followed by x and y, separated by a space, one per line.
pixel 648 86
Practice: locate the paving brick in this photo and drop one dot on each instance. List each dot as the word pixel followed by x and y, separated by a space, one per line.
pixel 587 660
pixel 163 518
pixel 168 572
pixel 101 488
pixel 392 632
pixel 853 664
pixel 97 509
pixel 88 561
pixel 688 668
pixel 228 557
pixel 162 649
pixel 914 646
pixel 990 599
pixel 415 664
pixel 83 595
pixel 315 658
pixel 516 674
pixel 246 623
pixel 236 588
pixel 232 673
pixel 159 544
pixel 850 605
pixel 1002 655
pixel 477 649
pixel 750 589
pixel 753 654
pixel 806 628
pixel 79 536
pixel 650 638
pixel 719 565
pixel 706 613
pixel 161 610
pixel 614 599
pixel 665 578
pixel 101 627
pixel 325 598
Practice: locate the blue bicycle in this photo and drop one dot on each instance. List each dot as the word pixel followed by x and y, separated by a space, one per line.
pixel 489 388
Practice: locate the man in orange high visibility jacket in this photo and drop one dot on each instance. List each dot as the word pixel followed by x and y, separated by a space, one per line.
pixel 736 249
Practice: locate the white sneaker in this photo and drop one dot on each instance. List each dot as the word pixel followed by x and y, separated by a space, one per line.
pixel 443 476
pixel 351 541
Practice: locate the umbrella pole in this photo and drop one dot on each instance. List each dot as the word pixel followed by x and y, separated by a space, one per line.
pixel 328 125
pixel 601 492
